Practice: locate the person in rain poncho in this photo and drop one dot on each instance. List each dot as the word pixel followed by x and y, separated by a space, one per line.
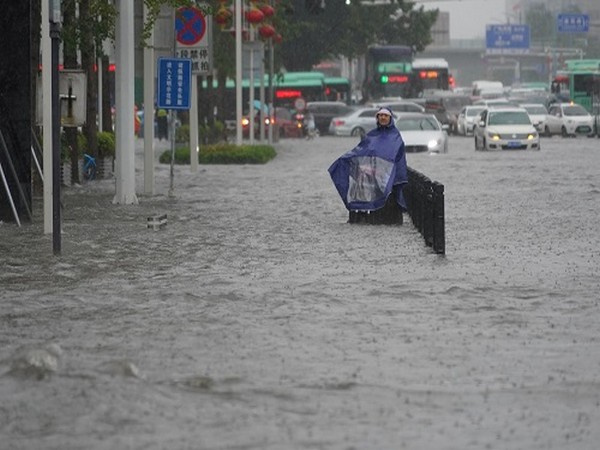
pixel 373 170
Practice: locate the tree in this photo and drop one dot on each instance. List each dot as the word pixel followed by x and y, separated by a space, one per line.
pixel 348 29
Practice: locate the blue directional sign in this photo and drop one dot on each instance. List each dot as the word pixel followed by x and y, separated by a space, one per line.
pixel 507 39
pixel 174 83
pixel 573 23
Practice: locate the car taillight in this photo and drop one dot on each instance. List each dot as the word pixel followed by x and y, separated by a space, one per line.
pixel 338 123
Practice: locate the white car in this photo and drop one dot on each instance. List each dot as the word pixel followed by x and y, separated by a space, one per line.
pixel 466 119
pixel 422 133
pixel 505 128
pixel 537 113
pixel 568 119
pixel 355 123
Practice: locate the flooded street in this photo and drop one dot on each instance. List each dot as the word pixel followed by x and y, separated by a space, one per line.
pixel 258 318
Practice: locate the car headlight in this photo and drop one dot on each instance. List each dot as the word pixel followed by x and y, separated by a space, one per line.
pixel 532 136
pixel 434 144
pixel 494 136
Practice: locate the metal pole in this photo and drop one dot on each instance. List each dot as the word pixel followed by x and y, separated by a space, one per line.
pixel 10 199
pixel 271 110
pixel 47 116
pixel 238 71
pixel 55 37
pixel 172 117
pixel 149 111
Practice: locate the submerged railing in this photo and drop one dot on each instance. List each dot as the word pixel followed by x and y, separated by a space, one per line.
pixel 425 203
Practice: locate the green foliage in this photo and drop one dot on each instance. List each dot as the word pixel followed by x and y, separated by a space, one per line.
pixel 106 144
pixel 210 134
pixel 182 134
pixel 348 30
pixel 223 154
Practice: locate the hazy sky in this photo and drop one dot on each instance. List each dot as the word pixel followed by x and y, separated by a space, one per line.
pixel 468 18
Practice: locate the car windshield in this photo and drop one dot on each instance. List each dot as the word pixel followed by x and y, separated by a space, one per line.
pixel 472 112
pixel 536 109
pixel 417 124
pixel 575 110
pixel 282 113
pixel 509 118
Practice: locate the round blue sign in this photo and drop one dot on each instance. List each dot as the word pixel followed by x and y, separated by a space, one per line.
pixel 190 25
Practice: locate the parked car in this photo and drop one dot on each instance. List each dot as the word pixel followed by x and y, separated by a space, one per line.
pixel 323 112
pixel 446 106
pixel 287 124
pixel 466 119
pixel 284 120
pixel 568 119
pixel 505 128
pixel 422 133
pixel 537 113
pixel 355 123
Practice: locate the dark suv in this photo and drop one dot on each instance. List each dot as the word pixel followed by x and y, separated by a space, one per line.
pixel 323 112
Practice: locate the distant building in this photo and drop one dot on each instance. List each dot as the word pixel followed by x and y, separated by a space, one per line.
pixel 440 32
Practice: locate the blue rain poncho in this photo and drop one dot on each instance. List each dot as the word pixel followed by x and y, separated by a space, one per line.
pixel 369 173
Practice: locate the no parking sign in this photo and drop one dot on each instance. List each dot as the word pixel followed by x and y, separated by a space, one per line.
pixel 193 35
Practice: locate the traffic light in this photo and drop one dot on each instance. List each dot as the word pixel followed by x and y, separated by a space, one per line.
pixel 314 6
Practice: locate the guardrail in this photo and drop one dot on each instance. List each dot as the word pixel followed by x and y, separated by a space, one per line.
pixel 425 203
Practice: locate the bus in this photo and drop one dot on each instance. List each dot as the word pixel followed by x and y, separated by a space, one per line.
pixel 338 89
pixel 290 86
pixel 579 81
pixel 287 88
pixel 388 72
pixel 430 74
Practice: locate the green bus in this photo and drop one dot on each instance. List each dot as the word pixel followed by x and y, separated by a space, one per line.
pixel 338 89
pixel 580 80
pixel 293 85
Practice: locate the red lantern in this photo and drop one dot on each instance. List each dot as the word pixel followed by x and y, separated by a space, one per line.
pixel 254 16
pixel 277 38
pixel 223 16
pixel 267 10
pixel 266 31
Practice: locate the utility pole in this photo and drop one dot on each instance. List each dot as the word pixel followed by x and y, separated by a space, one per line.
pixel 55 21
pixel 125 151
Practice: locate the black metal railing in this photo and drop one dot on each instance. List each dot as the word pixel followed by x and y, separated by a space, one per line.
pixel 425 203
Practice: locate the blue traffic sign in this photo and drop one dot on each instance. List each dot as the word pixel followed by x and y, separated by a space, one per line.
pixel 507 38
pixel 174 83
pixel 573 23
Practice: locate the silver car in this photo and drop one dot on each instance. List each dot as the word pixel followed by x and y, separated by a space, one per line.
pixel 466 119
pixel 505 128
pixel 537 113
pixel 355 123
pixel 422 133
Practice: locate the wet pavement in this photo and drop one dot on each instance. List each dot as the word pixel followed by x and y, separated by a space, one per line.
pixel 258 318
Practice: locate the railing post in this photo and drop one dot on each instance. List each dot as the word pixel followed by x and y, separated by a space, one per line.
pixel 439 238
